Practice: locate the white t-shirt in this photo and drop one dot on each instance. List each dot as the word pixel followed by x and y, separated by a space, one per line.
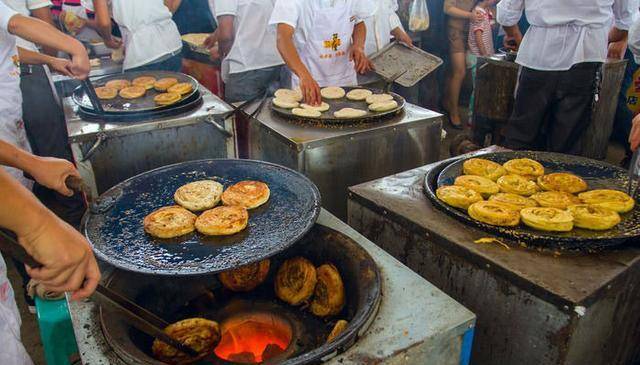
pixel 254 46
pixel 564 33
pixel 148 32
pixel 10 95
pixel 380 25
pixel 24 7
pixel 299 14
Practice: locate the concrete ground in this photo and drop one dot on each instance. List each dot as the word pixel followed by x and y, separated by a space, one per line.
pixel 30 332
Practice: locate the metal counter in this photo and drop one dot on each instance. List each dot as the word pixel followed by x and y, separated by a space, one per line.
pixel 533 307
pixel 430 328
pixel 336 157
pixel 108 153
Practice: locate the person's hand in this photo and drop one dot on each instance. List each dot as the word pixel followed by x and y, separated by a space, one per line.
pixel 617 50
pixel 634 136
pixel 362 63
pixel 112 42
pixel 68 264
pixel 53 172
pixel 476 15
pixel 211 41
pixel 403 37
pixel 80 65
pixel 512 43
pixel 61 66
pixel 214 53
pixel 310 90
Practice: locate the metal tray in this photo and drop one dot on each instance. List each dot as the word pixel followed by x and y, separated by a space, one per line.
pixel 145 103
pixel 114 226
pixel 337 104
pixel 597 174
pixel 397 57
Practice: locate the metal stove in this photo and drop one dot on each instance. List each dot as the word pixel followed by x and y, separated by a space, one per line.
pixel 107 153
pixel 415 322
pixel 335 157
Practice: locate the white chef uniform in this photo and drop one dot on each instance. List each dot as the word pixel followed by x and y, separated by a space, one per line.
pixel 380 25
pixel 148 32
pixel 24 7
pixel 11 349
pixel 634 40
pixel 568 32
pixel 323 31
pixel 254 46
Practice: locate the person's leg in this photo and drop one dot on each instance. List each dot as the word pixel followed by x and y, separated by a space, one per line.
pixel 533 96
pixel 573 108
pixel 250 84
pixel 454 84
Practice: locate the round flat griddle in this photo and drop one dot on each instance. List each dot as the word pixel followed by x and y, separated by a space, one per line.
pixel 114 226
pixel 121 106
pixel 598 174
pixel 337 104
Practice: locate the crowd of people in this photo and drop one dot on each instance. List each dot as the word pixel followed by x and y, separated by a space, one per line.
pixel 289 43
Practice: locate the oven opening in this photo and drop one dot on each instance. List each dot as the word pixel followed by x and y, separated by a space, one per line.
pixel 252 338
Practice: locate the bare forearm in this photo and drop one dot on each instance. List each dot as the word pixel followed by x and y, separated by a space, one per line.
pixel 173 5
pixel 21 211
pixel 13 156
pixel 359 35
pixel 44 14
pixel 39 32
pixel 102 23
pixel 512 31
pixel 33 58
pixel 617 35
pixel 289 53
pixel 480 43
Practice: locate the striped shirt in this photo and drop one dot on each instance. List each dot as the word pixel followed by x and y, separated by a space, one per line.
pixel 487 34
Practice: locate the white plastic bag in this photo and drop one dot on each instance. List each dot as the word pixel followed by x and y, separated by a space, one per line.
pixel 419 16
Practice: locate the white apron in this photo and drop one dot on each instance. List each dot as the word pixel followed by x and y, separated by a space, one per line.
pixel 12 352
pixel 326 52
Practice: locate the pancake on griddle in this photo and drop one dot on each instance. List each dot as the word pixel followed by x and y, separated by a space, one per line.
pixel 199 195
pixel 165 83
pixel 145 81
pixel 200 334
pixel 106 93
pixel 132 92
pixel 167 98
pixel 248 194
pixel 118 84
pixel 222 221
pixel 169 222
pixel 181 88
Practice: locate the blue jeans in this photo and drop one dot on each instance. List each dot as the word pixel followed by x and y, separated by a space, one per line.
pixel 173 63
pixel 251 84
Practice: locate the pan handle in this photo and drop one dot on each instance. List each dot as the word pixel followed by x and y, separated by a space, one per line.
pixel 212 120
pixel 101 138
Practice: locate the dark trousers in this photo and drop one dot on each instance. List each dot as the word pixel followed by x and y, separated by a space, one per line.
pixel 250 84
pixel 552 109
pixel 173 63
pixel 47 132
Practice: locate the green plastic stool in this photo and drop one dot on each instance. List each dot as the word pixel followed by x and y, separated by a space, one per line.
pixel 56 331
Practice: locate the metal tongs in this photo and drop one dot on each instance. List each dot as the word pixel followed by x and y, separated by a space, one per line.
pixel 634 175
pixel 137 316
pixel 93 97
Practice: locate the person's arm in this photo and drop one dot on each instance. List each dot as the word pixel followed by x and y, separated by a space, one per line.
pixel 173 5
pixel 226 34
pixel 479 41
pixel 102 24
pixel 67 259
pixel 59 65
pixel 362 63
pixel 508 15
pixel 308 86
pixel 401 36
pixel 452 10
pixel 39 32
pixel 44 14
pixel 623 14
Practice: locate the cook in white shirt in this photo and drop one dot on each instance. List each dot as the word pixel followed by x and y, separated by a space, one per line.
pixel 36 8
pixel 561 57
pixel 322 42
pixel 247 45
pixel 150 37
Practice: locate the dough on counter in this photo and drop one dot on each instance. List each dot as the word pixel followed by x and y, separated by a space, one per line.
pixel 359 94
pixel 285 103
pixel 306 113
pixel 323 107
pixel 348 113
pixel 332 92
pixel 383 106
pixel 378 98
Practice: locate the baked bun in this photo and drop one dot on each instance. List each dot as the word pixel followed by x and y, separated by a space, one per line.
pixel 332 92
pixel 328 296
pixel 295 281
pixel 165 83
pixel 526 167
pixel 106 93
pixel 337 330
pixel 493 213
pixel 248 194
pixel 181 88
pixel 513 201
pixel 288 94
pixel 118 84
pixel 169 222
pixel 306 113
pixel 562 181
pixel 145 81
pixel 167 98
pixel 480 184
pixel 593 217
pixel 383 106
pixel 378 98
pixel 485 168
pixel 458 196
pixel 200 334
pixel 547 219
pixel 132 92
pixel 323 107
pixel 246 277
pixel 517 184
pixel 611 199
pixel 199 195
pixel 347 113
pixel 555 199
pixel 359 94
pixel 285 103
pixel 222 221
